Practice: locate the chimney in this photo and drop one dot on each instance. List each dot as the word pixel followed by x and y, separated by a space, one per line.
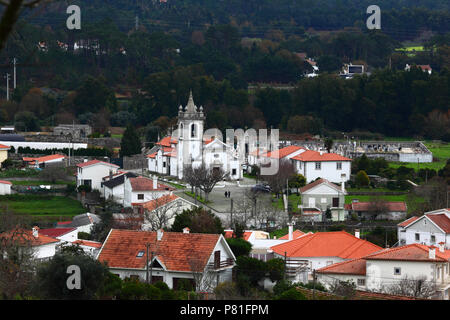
pixel 35 230
pixel 85 160
pixel 159 234
pixel 274 237
pixel 186 230
pixel 357 233
pixel 441 246
pixel 321 152
pixel 110 174
pixel 155 182
pixel 432 252
pixel 291 231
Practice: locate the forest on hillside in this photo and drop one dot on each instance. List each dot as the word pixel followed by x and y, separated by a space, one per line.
pixel 209 47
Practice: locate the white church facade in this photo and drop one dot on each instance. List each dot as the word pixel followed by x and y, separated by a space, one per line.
pixel 190 145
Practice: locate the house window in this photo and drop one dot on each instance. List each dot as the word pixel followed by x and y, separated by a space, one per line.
pixel 397 271
pixel 318 165
pixel 140 196
pixel 338 165
pixel 433 239
pixel 193 134
pixel 164 164
pixel 216 155
pixel 361 282
pixel 140 254
pixel 87 183
pixel 417 237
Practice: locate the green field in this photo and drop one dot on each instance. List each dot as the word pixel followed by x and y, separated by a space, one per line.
pixel 36 205
pixel 18 173
pixel 294 201
pixel 372 190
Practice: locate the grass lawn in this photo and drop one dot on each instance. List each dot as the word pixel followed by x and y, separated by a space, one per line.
pixel 173 184
pixel 372 190
pixel 18 173
pixel 200 199
pixel 116 136
pixel 294 201
pixel 36 205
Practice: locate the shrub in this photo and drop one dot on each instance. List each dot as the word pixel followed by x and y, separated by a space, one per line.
pixel 292 294
pixel 362 180
pixel 240 247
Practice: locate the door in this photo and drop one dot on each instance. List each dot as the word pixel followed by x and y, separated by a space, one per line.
pixel 336 202
pixel 312 202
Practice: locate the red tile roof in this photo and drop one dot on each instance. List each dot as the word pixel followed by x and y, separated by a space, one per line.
pixel 354 266
pixel 177 251
pixel 44 158
pixel 167 141
pixel 26 236
pixel 156 203
pixel 93 162
pixel 230 234
pixel 5 182
pixel 442 220
pixel 152 155
pixel 397 206
pixel 283 152
pixel 408 221
pixel 411 252
pixel 87 243
pixel 146 184
pixel 56 232
pixel 296 234
pixel 310 155
pixel 2 146
pixel 327 244
pixel 317 182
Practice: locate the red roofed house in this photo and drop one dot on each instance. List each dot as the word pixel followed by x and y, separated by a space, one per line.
pixel 41 162
pixel 63 234
pixel 90 247
pixel 318 164
pixel 5 187
pixel 320 195
pixel 382 210
pixel 172 256
pixel 317 250
pixel 44 247
pixel 430 229
pixel 384 270
pixel 140 189
pixel 91 173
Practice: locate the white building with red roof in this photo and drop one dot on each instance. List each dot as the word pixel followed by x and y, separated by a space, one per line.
pixel 319 164
pixel 63 234
pixel 190 145
pixel 91 173
pixel 204 259
pixel 41 162
pixel 386 269
pixel 90 247
pixel 377 210
pixel 3 153
pixel 5 187
pixel 320 249
pixel 430 229
pixel 139 190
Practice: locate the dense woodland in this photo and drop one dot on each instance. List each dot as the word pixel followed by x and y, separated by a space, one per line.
pixel 218 49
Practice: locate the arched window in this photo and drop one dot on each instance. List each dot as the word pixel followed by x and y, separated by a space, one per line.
pixel 181 130
pixel 193 129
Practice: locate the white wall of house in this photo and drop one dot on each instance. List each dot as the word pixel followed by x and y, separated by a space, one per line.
pixel 327 280
pixel 5 188
pixel 426 230
pixel 69 236
pixel 45 251
pixel 44 145
pixel 95 173
pixel 116 194
pixel 131 196
pixel 328 170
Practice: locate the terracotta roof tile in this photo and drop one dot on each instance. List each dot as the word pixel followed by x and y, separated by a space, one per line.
pixel 296 234
pixel 411 252
pixel 327 244
pixel 408 221
pixel 167 141
pixel 354 266
pixel 318 182
pixel 146 184
pixel 24 236
pixel 310 155
pixel 175 250
pixel 44 158
pixel 93 162
pixel 2 146
pixel 442 220
pixel 283 152
pixel 156 203
pixel 56 232
pixel 87 243
pixel 5 182
pixel 389 205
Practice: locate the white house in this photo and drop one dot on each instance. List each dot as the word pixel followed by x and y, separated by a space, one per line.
pixel 172 256
pixel 43 247
pixel 430 229
pixel 82 222
pixel 191 145
pixel 90 247
pixel 381 210
pixel 321 195
pixel 381 271
pixel 3 153
pixel 5 187
pixel 91 173
pixel 114 188
pixel 140 189
pixel 318 164
pixel 320 249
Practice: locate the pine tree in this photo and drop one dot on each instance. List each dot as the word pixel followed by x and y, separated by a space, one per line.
pixel 130 144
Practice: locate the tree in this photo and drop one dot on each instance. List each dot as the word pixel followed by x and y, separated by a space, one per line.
pixel 297 181
pixel 204 178
pixel 26 121
pixel 362 180
pixel 52 276
pixel 345 289
pixel 52 174
pixel 240 247
pixel 198 220
pixel 130 144
pixel 292 294
pixel 418 287
pixel 205 277
pixel 278 181
pixel 161 213
pixel 275 268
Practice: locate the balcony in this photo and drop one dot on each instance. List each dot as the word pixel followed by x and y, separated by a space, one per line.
pixel 216 265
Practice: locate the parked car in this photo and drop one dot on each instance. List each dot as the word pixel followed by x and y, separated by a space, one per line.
pixel 261 188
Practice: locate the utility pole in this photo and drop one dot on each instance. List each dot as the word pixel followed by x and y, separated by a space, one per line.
pixel 14 63
pixel 314 284
pixel 7 86
pixel 231 209
pixel 136 23
pixel 146 273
